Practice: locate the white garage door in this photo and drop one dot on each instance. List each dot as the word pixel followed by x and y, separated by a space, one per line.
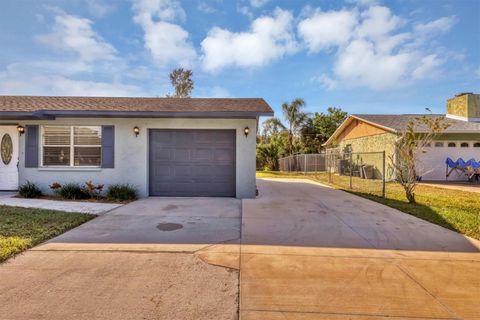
pixel 431 165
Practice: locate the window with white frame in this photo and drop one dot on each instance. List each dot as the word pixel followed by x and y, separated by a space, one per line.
pixel 71 146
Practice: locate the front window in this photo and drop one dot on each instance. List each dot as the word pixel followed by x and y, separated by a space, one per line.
pixel 71 146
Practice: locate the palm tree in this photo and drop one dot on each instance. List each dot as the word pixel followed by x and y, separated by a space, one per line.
pixel 295 118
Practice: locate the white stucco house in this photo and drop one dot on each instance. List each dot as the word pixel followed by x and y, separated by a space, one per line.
pixel 162 146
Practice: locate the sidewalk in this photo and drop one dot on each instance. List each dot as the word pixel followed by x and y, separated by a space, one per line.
pixel 9 199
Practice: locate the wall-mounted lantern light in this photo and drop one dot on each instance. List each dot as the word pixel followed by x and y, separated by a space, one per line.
pixel 136 130
pixel 20 130
pixel 246 131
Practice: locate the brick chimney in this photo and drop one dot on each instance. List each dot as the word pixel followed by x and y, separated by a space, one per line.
pixel 464 106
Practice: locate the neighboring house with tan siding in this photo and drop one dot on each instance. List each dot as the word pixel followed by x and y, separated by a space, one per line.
pixel 377 133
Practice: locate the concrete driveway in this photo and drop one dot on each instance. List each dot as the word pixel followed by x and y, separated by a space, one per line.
pixel 312 252
pixel 306 252
pixel 139 261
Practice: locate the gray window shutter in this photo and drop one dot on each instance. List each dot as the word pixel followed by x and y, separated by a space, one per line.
pixel 108 147
pixel 31 147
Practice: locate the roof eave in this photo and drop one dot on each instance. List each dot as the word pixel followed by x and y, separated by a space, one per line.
pixel 52 115
pixel 347 121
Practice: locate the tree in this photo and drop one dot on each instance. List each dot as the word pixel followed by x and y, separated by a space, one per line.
pixel 295 118
pixel 408 146
pixel 326 123
pixel 181 80
pixel 271 127
pixel 267 156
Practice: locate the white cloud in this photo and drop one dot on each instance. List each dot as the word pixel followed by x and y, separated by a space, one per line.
pixel 365 3
pixel 323 30
pixel 74 34
pixel 205 7
pixel 214 92
pixel 245 10
pixel 19 79
pixel 258 3
pixel 165 10
pixel 68 74
pixel 360 64
pixel 377 21
pixel 167 42
pixel 98 8
pixel 325 81
pixel 477 72
pixel 440 25
pixel 428 67
pixel 269 38
pixel 374 48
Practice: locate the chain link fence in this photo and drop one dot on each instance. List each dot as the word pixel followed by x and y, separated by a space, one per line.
pixel 359 171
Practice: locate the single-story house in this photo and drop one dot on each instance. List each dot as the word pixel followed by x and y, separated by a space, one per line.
pixel 162 146
pixel 378 132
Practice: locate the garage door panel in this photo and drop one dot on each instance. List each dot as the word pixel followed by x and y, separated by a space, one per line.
pixel 223 154
pixel 202 154
pixel 181 154
pixel 164 154
pixel 192 162
pixel 221 189
pixel 161 171
pixel 224 137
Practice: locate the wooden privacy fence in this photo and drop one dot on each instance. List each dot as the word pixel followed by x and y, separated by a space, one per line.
pixel 303 163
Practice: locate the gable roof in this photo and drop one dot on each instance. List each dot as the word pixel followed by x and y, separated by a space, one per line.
pixel 396 123
pixel 53 106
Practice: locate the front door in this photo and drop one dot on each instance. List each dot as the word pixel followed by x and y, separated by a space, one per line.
pixel 8 158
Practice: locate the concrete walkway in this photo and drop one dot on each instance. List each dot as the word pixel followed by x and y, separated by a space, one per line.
pixel 459 186
pixel 312 252
pixel 9 199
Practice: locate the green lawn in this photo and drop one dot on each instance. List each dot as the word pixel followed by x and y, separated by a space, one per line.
pixel 22 228
pixel 452 209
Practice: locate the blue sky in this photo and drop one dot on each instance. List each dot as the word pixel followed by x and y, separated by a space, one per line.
pixel 365 56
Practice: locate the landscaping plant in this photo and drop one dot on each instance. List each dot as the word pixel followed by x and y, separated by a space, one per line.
pixel 29 190
pixel 122 192
pixel 408 146
pixel 72 191
pixel 93 191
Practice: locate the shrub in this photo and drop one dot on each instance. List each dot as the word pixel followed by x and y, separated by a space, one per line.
pixel 29 190
pixel 72 191
pixel 122 192
pixel 93 191
pixel 55 187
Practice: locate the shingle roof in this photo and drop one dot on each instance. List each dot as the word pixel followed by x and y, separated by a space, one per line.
pixel 31 104
pixel 398 122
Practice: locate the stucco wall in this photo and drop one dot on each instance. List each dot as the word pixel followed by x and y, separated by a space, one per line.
pixel 376 143
pixel 131 153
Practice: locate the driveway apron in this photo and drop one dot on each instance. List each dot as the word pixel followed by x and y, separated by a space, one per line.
pixel 312 252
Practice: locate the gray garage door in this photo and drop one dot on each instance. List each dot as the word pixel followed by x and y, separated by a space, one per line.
pixel 192 163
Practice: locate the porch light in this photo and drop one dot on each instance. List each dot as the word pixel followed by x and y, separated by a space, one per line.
pixel 246 131
pixel 136 130
pixel 20 130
